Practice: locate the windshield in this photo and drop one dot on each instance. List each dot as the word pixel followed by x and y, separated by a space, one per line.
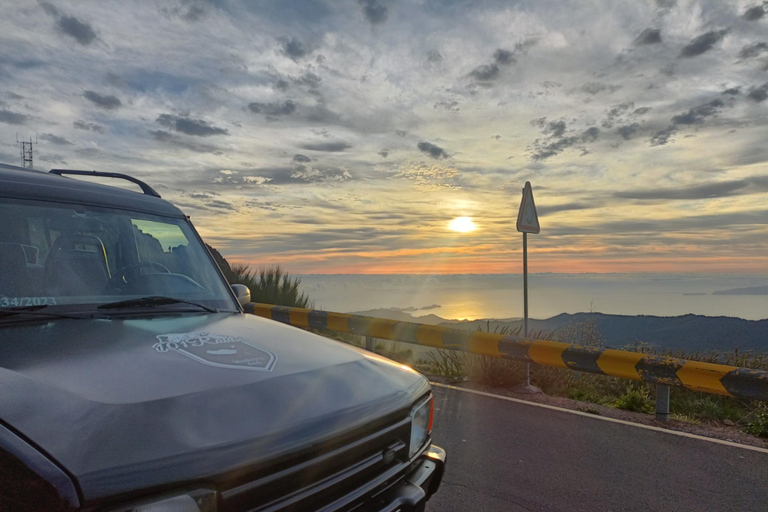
pixel 63 255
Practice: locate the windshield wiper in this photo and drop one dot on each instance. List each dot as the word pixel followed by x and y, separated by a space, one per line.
pixel 152 301
pixel 35 311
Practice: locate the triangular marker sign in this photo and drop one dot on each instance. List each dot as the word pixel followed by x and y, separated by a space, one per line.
pixel 527 218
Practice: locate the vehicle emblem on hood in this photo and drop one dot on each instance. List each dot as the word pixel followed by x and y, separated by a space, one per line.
pixel 219 350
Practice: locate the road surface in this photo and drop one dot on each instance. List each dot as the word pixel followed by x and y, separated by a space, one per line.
pixel 511 457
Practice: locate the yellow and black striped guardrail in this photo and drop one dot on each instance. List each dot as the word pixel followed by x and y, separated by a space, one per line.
pixel 707 377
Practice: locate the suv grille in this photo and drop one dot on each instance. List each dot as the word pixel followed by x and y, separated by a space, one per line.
pixel 331 480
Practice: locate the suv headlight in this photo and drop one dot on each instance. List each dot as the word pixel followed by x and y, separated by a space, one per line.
pixel 202 500
pixel 421 424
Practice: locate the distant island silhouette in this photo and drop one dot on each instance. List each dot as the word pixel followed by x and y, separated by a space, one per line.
pixel 752 290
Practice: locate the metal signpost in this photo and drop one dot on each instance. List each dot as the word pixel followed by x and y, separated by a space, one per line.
pixel 527 222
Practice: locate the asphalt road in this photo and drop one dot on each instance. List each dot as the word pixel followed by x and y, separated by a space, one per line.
pixel 507 456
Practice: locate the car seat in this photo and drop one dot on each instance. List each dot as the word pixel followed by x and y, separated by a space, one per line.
pixel 13 270
pixel 77 265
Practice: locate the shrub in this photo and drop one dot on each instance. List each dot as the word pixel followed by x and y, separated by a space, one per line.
pixel 448 363
pixel 757 421
pixel 270 285
pixel 636 398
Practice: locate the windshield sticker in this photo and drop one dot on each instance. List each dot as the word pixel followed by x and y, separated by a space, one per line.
pixel 6 302
pixel 233 352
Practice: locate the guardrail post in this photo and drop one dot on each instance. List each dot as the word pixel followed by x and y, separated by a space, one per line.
pixel 662 402
pixel 369 345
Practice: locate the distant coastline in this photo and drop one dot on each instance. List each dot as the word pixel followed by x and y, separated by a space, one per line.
pixel 751 290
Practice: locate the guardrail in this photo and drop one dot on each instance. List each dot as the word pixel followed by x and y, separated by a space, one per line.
pixel 664 371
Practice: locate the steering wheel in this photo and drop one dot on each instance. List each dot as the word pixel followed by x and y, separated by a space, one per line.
pixel 123 277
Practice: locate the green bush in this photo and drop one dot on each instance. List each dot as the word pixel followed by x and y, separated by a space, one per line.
pixel 586 395
pixel 757 421
pixel 636 398
pixel 270 285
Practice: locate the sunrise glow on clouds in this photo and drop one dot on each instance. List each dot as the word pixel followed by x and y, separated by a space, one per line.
pixel 344 137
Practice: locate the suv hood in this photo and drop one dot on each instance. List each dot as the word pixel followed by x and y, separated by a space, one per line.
pixel 132 403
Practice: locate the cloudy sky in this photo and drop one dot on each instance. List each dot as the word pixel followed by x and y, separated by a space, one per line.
pixel 344 136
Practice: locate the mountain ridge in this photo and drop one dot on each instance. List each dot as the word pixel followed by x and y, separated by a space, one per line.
pixel 689 332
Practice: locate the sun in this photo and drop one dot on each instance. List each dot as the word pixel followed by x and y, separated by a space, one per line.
pixel 462 225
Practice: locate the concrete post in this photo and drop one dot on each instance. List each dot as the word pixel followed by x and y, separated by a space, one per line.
pixel 662 403
pixel 369 345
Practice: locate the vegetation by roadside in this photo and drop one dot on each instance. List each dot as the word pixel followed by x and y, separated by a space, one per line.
pixel 268 285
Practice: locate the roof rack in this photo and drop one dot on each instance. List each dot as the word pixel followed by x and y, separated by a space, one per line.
pixel 144 187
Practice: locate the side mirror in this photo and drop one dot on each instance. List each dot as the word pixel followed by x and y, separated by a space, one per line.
pixel 242 293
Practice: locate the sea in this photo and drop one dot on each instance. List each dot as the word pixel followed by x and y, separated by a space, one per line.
pixel 500 296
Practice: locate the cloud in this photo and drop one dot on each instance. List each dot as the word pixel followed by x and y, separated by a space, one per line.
pixel 296 173
pixel 554 146
pixel 9 117
pixel 106 102
pixel 504 57
pixel 55 139
pixel 758 94
pixel 328 147
pixel 641 111
pixel 449 105
pixel 754 13
pixel 272 110
pixel 384 153
pixel 628 131
pixel 434 57
pixel 662 137
pixel 294 49
pixel 92 127
pixel 307 174
pixel 374 11
pixel 695 115
pixel 555 128
pixel 189 10
pixel 615 112
pixel 432 150
pixel 597 87
pixel 173 140
pixel 81 31
pixel 746 186
pixel 485 73
pixel 732 91
pixel 308 79
pixel 648 36
pixel 429 176
pixel 301 158
pixel 703 43
pixel 222 205
pixel 753 50
pixel 196 127
pixel 546 209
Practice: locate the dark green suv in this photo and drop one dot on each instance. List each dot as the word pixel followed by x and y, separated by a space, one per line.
pixel 132 381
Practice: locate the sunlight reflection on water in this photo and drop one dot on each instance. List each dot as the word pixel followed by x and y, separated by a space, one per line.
pixel 500 296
